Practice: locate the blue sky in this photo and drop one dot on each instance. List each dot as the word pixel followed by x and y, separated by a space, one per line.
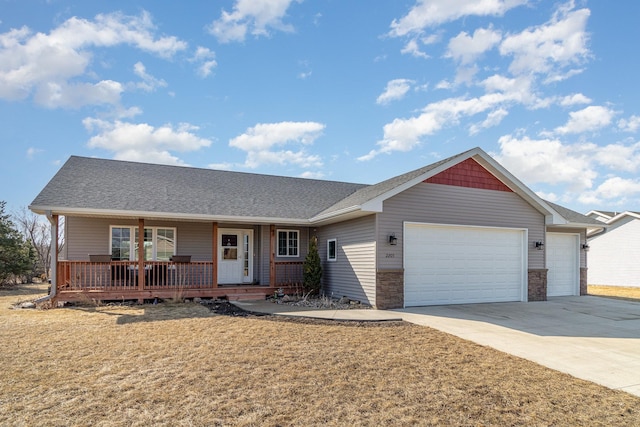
pixel 354 91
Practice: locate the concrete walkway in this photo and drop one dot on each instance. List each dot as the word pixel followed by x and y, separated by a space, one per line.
pixel 269 307
pixel 592 338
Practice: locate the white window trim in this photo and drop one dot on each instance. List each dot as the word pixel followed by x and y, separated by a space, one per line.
pixel 282 230
pixel 335 255
pixel 132 244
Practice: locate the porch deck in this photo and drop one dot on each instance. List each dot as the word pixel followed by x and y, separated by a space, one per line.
pixel 122 280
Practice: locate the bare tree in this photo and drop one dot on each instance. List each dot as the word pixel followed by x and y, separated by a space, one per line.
pixel 37 230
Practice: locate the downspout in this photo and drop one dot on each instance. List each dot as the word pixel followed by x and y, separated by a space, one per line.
pixel 53 220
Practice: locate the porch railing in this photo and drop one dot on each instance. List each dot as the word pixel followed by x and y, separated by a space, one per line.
pixel 289 273
pixel 123 275
pixel 158 275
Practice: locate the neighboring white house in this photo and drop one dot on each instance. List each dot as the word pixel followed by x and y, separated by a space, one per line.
pixel 614 253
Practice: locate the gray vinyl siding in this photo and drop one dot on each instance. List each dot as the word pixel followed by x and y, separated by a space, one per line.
pixel 353 274
pixel 264 248
pixel 87 236
pixel 445 204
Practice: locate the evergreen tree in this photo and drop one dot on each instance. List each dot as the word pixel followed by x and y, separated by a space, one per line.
pixel 17 256
pixel 312 269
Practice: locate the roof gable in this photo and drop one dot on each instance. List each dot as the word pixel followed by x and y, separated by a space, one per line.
pixel 468 173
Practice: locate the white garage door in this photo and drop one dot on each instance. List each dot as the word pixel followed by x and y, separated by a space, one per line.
pixel 457 264
pixel 562 264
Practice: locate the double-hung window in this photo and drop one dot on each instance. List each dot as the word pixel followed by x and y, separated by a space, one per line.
pixel 159 243
pixel 288 243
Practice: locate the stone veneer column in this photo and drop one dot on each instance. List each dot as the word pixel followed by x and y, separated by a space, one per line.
pixel 537 284
pixel 389 289
pixel 583 281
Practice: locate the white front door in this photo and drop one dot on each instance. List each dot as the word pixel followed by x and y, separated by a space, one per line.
pixel 235 256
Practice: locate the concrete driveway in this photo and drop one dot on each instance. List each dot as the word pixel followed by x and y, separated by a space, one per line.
pixel 593 338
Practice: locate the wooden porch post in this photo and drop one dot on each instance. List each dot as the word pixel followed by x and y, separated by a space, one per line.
pixel 54 256
pixel 141 254
pixel 272 256
pixel 214 255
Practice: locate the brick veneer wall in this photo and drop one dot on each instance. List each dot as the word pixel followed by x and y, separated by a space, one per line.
pixel 389 289
pixel 537 284
pixel 583 281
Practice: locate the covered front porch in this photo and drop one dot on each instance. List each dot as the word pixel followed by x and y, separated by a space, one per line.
pixel 236 268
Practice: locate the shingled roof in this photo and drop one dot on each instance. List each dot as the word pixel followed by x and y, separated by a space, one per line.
pixel 98 186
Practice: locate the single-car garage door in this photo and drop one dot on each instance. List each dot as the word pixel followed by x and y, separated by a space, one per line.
pixel 445 264
pixel 562 263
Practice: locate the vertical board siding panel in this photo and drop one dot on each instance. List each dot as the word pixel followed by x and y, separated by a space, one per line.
pixel 353 274
pixel 444 204
pixel 613 255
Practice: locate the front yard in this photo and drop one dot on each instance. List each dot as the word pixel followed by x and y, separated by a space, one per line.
pixel 180 364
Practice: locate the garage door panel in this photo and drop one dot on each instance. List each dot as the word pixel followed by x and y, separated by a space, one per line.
pixel 455 265
pixel 562 264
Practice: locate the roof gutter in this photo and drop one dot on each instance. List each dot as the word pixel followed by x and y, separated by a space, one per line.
pixel 43 210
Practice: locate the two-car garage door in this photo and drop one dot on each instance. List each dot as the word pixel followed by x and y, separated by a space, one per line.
pixel 445 264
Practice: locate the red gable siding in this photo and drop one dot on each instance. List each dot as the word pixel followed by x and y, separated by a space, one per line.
pixel 468 174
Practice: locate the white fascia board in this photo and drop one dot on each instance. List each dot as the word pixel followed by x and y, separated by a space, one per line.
pixel 324 217
pixel 622 215
pixel 166 215
pixel 593 212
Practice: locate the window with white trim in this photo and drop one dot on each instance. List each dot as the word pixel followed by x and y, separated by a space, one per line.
pixel 288 243
pixel 159 243
pixel 332 250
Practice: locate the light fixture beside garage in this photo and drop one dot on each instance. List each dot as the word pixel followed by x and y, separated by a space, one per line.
pixel 393 240
pixel 539 245
pixel 585 247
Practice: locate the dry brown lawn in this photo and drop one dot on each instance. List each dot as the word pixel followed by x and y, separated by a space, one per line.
pixel 182 365
pixel 614 292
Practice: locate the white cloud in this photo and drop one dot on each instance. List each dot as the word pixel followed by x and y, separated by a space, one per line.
pixel 46 63
pixel 548 161
pixel 412 48
pixel 465 49
pixel 619 157
pixel 632 124
pixel 406 134
pixel 251 16
pixel 32 152
pixel 261 144
pixel 614 191
pixel 76 95
pixel 574 99
pixel 148 83
pixel 395 90
pixel 206 61
pixel 493 119
pixel 143 142
pixel 429 13
pixel 549 48
pixel 589 119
